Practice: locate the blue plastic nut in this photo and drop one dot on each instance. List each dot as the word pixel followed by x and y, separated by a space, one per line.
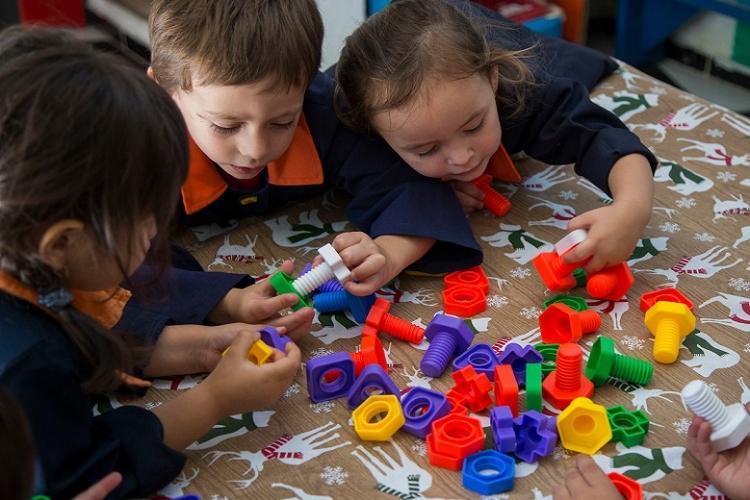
pixel 503 434
pixel 518 357
pixel 489 472
pixel 536 435
pixel 328 302
pixel 422 407
pixel 271 337
pixel 481 357
pixel 329 377
pixel 372 381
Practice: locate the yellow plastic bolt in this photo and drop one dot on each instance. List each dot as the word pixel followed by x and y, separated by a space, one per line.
pixel 669 322
pixel 365 423
pixel 259 353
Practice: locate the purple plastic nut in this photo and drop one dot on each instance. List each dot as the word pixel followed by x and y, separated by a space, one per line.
pixel 536 435
pixel 321 383
pixel 372 381
pixel 481 357
pixel 422 407
pixel 271 337
pixel 518 357
pixel 448 336
pixel 503 434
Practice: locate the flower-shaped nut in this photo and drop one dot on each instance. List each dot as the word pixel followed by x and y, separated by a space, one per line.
pixel 489 472
pixel 364 417
pixel 628 427
pixel 583 426
pixel 464 301
pixel 474 276
pixel 453 438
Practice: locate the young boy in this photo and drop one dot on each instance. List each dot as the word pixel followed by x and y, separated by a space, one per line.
pixel 264 133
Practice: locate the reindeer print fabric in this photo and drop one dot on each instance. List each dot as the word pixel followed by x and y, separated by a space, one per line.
pixel 698 240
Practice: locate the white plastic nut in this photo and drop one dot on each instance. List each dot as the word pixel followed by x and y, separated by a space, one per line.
pixel 570 240
pixel 730 425
pixel 331 267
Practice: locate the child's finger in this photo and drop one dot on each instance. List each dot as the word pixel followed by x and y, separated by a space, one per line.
pixel 575 482
pixel 346 240
pixel 561 493
pixel 362 288
pixel 469 203
pixel 284 365
pixel 580 252
pixel 372 264
pixel 101 488
pixel 583 221
pixel 591 472
pixel 265 308
pixel 242 343
pixel 468 189
pixel 298 323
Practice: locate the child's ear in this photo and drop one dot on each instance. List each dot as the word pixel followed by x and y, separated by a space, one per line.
pixel 150 73
pixel 494 77
pixel 57 242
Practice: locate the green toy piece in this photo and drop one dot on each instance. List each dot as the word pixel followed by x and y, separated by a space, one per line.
pixel 282 283
pixel 549 353
pixel 575 303
pixel 603 363
pixel 534 387
pixel 628 427
pixel 581 278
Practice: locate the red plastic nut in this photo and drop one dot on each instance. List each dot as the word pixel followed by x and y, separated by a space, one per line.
pixel 496 203
pixel 474 276
pixel 464 301
pixel 506 388
pixel 457 402
pixel 560 323
pixel 475 387
pixel 557 275
pixel 628 488
pixel 610 283
pixel 648 299
pixel 453 438
pixel 567 382
pixel 370 351
pixel 381 320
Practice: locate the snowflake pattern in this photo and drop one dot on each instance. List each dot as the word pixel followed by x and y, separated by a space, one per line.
pixel 152 404
pixel 334 475
pixel 713 387
pixel 681 426
pixel 747 348
pixel 726 176
pixel 715 133
pixel 324 407
pixel 704 237
pixel 520 273
pixel 420 448
pixel 739 284
pixel 632 343
pixel 567 194
pixel 685 202
pixel 530 312
pixel 560 453
pixel 670 227
pixel 292 390
pixel 320 351
pixel 497 300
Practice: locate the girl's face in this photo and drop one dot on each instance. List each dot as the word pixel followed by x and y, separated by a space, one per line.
pixel 450 131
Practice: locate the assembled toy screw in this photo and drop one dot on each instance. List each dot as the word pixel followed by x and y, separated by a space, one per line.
pixel 381 320
pixel 342 300
pixel 603 363
pixel 448 336
pixel 729 424
pixel 610 283
pixel 559 323
pixel 556 274
pixel 567 382
pixel 493 201
pixel 669 322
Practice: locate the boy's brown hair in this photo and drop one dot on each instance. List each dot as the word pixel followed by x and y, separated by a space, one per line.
pixel 234 42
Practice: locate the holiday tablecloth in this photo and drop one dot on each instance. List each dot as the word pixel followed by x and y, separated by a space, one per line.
pixel 698 239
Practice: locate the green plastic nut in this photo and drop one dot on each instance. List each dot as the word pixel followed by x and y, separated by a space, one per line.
pixel 628 427
pixel 604 363
pixel 549 353
pixel 581 278
pixel 282 283
pixel 534 386
pixel 575 303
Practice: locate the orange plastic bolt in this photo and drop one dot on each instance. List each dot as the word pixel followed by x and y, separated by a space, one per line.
pixel 380 319
pixel 567 382
pixel 496 203
pixel 560 323
pixel 610 283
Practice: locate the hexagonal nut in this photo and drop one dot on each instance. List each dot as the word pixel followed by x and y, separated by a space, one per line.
pixel 576 303
pixel 648 299
pixel 457 435
pixel 474 276
pixel 555 324
pixel 670 310
pixel 333 259
pixel 583 426
pixel 382 430
pixel 628 427
pixel 464 301
pixel 476 477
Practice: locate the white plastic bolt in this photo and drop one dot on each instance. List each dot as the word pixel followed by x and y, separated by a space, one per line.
pixel 331 267
pixel 729 424
pixel 570 240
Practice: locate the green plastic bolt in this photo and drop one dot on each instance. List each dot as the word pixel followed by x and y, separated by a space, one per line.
pixel 603 363
pixel 575 303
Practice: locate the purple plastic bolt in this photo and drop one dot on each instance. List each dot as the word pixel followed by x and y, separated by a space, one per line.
pixel 518 357
pixel 481 357
pixel 501 421
pixel 271 337
pixel 373 378
pixel 448 336
pixel 421 407
pixel 321 385
pixel 331 286
pixel 536 435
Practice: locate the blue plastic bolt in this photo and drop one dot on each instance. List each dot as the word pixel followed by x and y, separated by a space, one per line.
pixel 327 302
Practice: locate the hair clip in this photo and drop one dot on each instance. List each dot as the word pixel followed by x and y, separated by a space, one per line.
pixel 57 299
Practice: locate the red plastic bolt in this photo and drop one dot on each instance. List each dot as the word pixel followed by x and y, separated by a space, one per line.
pixel 560 323
pixel 370 351
pixel 610 283
pixel 381 320
pixel 557 275
pixel 648 299
pixel 496 203
pixel 567 382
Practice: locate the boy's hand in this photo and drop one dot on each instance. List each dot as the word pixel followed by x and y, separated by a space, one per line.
pixel 585 482
pixel 729 470
pixel 613 232
pixel 470 196
pixel 365 259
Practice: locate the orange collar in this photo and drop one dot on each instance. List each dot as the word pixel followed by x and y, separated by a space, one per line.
pixel 300 165
pixel 105 306
pixel 501 167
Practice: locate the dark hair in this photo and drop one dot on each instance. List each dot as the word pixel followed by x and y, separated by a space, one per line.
pixel 18 40
pixel 234 42
pixel 386 61
pixel 83 135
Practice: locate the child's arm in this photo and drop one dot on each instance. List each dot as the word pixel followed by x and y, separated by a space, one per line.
pixel 586 481
pixel 614 230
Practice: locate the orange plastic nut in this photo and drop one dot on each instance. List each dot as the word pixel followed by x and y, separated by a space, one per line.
pixel 648 299
pixel 560 323
pixel 474 276
pixel 370 351
pixel 557 275
pixel 610 283
pixel 464 301
pixel 453 438
pixel 567 382
pixel 630 489
pixel 506 388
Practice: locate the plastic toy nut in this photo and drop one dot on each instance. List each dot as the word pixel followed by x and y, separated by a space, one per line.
pixel 610 283
pixel 628 427
pixel 648 299
pixel 518 357
pixel 453 438
pixel 730 425
pixel 583 426
pixel 370 352
pixel 474 276
pixel 536 435
pixel 549 353
pixel 464 301
pixel 534 386
pixel 259 353
pixel 422 407
pixel 283 283
pixel 669 322
pixel 271 336
pixel 489 472
pixel 380 319
pixel 329 377
pixel 559 324
pixel 475 387
pixel 630 489
pixel 481 357
pixel 506 388
pixel 364 418
pixel 371 382
pixel 503 432
pixel 575 303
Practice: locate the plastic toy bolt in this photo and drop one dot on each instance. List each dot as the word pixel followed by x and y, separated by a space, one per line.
pixel 379 319
pixel 575 303
pixel 493 201
pixel 729 424
pixel 603 363
pixel 669 322
pixel 448 336
pixel 559 324
pixel 610 283
pixel 557 275
pixel 370 351
pixel 342 300
pixel 567 382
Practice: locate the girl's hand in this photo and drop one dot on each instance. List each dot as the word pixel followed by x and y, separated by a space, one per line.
pixel 729 470
pixel 102 488
pixel 365 259
pixel 586 481
pixel 470 196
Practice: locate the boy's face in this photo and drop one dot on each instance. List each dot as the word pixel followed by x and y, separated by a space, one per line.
pixel 241 128
pixel 449 132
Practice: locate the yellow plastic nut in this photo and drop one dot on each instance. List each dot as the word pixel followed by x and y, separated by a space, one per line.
pixel 583 426
pixel 368 428
pixel 669 322
pixel 259 353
